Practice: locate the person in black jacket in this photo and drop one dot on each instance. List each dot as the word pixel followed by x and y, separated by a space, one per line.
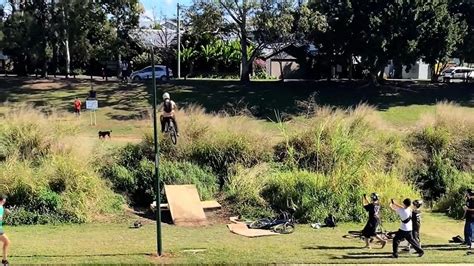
pixel 370 229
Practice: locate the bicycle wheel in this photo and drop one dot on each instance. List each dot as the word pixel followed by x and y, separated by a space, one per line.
pixel 173 135
pixel 259 224
pixel 285 228
pixel 353 234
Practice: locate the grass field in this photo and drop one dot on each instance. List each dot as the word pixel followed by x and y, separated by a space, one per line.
pixel 125 109
pixel 116 243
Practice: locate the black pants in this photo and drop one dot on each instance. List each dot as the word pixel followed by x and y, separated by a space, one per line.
pixel 400 236
pixel 416 236
pixel 165 120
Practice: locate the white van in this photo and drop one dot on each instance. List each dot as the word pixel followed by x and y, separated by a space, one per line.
pixel 463 73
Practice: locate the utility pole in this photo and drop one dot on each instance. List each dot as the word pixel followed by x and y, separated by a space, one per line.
pixel 157 160
pixel 179 41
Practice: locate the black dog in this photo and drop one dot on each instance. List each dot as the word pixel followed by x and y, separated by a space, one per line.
pixel 103 134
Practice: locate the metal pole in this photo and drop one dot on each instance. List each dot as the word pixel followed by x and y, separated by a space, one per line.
pixel 157 160
pixel 179 44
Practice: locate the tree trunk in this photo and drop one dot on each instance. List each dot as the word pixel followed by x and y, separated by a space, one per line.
pixel 351 67
pixel 245 68
pixel 398 70
pixel 282 76
pixel 66 44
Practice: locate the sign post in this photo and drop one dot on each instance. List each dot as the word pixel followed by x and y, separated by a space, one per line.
pixel 92 105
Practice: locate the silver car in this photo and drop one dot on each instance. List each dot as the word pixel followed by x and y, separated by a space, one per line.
pixel 146 73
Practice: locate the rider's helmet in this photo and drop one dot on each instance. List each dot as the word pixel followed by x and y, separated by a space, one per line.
pixel 166 96
pixel 374 196
pixel 417 203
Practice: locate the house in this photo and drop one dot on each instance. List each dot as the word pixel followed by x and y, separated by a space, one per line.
pixel 419 71
pixel 287 61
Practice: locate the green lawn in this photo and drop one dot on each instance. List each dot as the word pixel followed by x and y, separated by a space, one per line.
pixel 125 109
pixel 116 243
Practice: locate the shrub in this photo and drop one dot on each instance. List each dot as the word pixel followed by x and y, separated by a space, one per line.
pixel 261 190
pixel 453 200
pixel 42 176
pixel 133 176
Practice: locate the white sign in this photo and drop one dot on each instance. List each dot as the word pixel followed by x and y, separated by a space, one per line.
pixel 92 104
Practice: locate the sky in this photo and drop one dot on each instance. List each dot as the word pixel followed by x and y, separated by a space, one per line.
pixel 162 8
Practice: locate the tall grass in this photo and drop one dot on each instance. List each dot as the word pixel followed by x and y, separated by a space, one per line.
pixel 43 176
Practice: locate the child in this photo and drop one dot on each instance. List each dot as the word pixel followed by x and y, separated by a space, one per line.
pixel 77 106
pixel 370 229
pixel 3 237
pixel 416 219
pixel 406 227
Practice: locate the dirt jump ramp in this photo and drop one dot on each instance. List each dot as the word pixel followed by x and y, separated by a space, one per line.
pixel 185 206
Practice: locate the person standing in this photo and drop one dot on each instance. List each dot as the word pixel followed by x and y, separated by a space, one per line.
pixel 77 106
pixel 370 229
pixel 469 216
pixel 406 227
pixel 3 237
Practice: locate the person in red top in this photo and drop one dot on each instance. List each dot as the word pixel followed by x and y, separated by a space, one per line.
pixel 77 106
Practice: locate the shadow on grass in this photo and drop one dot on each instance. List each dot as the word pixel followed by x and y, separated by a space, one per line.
pixel 330 247
pixel 264 97
pixel 79 255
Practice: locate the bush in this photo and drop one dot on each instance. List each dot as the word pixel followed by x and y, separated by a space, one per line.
pixel 452 202
pixel 132 174
pixel 262 190
pixel 42 177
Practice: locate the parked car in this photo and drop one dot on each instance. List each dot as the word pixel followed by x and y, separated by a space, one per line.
pixel 463 73
pixel 146 73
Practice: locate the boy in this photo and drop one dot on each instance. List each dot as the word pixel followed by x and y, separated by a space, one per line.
pixel 169 107
pixel 3 237
pixel 370 229
pixel 416 219
pixel 406 227
pixel 77 106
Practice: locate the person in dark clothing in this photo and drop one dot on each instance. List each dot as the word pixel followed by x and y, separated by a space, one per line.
pixel 370 229
pixel 469 216
pixel 406 227
pixel 416 219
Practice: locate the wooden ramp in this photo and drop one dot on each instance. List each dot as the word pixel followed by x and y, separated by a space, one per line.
pixel 243 230
pixel 185 205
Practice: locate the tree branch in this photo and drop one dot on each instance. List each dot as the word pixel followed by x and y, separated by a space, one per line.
pixel 234 17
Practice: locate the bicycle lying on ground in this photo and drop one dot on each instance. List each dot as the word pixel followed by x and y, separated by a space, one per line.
pixel 358 234
pixel 283 224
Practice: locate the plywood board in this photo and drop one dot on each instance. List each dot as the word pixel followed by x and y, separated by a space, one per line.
pixel 243 230
pixel 185 205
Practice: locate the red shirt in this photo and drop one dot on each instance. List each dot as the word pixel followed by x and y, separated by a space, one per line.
pixel 77 104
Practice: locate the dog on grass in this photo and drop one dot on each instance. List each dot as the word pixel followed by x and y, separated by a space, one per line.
pixel 103 134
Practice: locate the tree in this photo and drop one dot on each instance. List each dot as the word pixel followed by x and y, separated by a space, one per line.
pixel 441 32
pixel 188 55
pixel 260 23
pixel 465 10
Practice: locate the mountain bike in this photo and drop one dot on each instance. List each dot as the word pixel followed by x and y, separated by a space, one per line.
pixel 171 130
pixel 283 224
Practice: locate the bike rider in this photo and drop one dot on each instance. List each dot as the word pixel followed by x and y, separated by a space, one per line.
pixel 168 115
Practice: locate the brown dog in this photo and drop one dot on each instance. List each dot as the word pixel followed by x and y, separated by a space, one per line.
pixel 103 134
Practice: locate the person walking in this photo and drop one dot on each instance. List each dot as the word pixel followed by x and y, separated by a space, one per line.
pixel 406 227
